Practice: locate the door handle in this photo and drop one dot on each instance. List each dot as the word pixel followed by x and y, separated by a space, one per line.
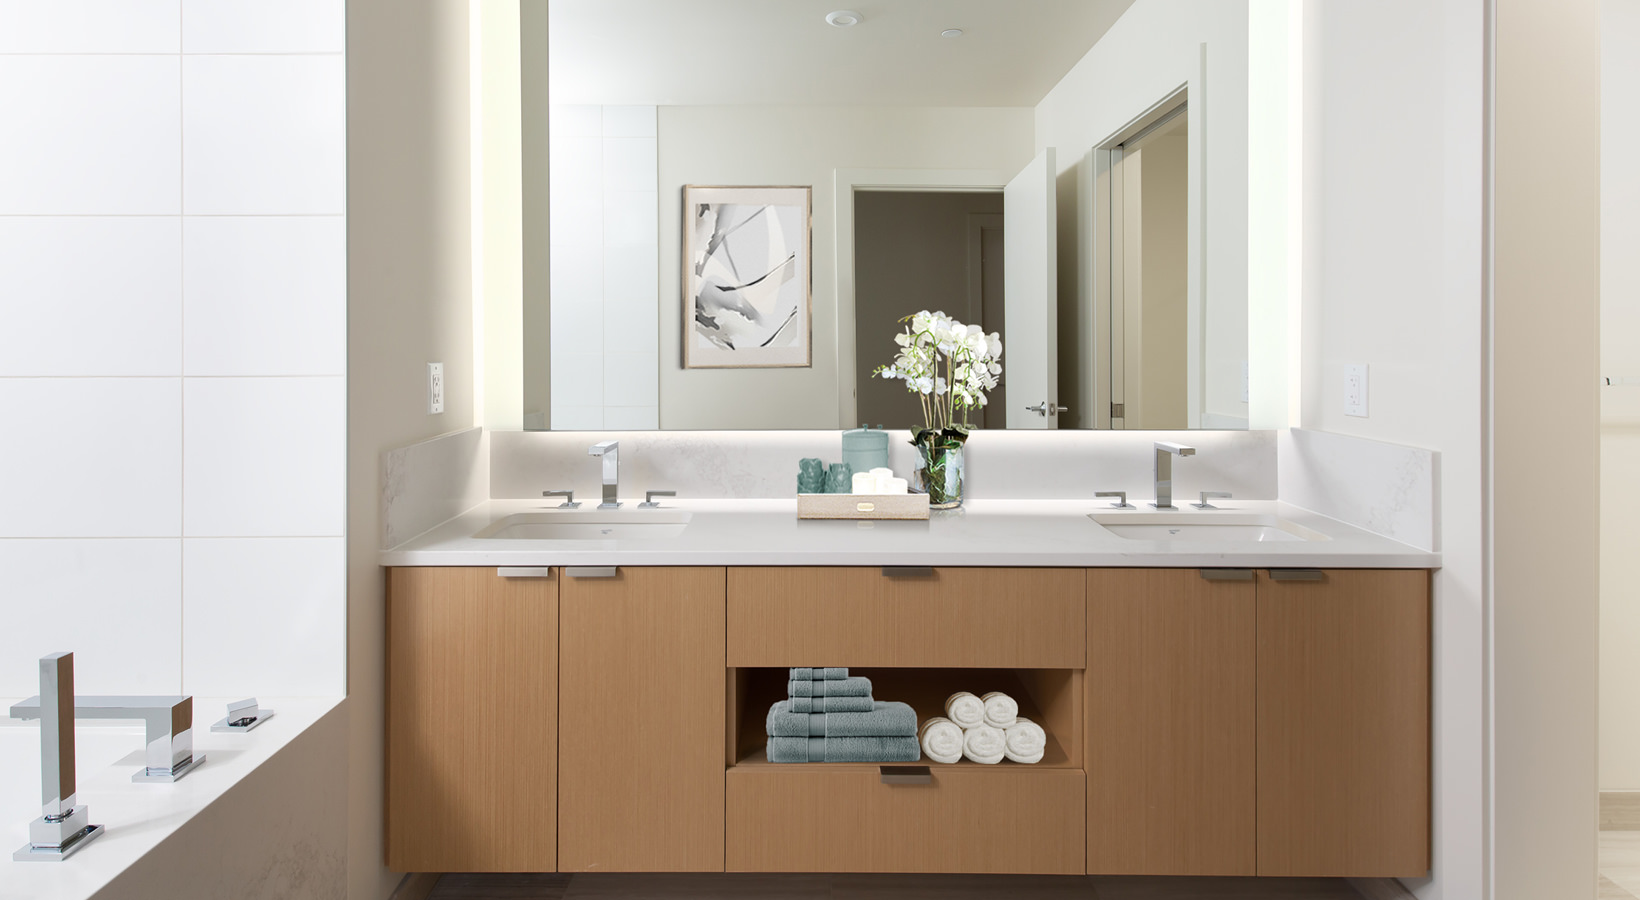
pixel 905 775
pixel 524 571
pixel 1227 574
pixel 1297 575
pixel 1047 409
pixel 908 571
pixel 592 571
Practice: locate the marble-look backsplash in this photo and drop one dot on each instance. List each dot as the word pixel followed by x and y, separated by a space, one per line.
pixel 1385 488
pixel 1020 465
pixel 432 481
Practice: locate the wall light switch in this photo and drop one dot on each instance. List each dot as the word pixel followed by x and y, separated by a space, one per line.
pixel 435 388
pixel 1355 390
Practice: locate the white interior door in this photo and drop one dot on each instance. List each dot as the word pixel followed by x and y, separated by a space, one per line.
pixel 1030 357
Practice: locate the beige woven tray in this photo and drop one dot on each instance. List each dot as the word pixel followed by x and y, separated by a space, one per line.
pixel 862 506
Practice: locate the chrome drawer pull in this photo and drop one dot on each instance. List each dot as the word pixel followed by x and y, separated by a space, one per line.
pixel 908 571
pixel 1227 574
pixel 905 775
pixel 524 571
pixel 1297 575
pixel 592 571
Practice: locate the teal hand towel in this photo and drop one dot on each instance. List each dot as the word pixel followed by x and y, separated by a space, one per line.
pixel 831 673
pixel 841 687
pixel 844 749
pixel 831 704
pixel 886 719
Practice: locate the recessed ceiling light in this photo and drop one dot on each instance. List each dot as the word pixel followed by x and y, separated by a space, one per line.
pixel 843 18
pixel 951 32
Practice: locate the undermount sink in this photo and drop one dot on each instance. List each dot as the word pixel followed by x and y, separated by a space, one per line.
pixel 1216 527
pixel 590 525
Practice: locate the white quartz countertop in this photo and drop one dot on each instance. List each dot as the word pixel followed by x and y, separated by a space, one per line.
pixel 981 533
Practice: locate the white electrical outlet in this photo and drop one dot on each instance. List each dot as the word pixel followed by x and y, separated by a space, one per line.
pixel 1355 390
pixel 435 388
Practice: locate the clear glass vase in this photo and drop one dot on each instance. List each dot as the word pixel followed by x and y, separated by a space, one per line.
pixel 939 470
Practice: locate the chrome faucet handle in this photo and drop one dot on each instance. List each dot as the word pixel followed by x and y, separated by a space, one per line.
pixel 243 716
pixel 64 825
pixel 1220 495
pixel 1121 499
pixel 649 498
pixel 569 499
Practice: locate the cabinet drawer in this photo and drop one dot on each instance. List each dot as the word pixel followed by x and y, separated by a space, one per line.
pixel 957 617
pixel 844 819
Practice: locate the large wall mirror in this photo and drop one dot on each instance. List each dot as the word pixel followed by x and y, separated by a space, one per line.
pixel 747 198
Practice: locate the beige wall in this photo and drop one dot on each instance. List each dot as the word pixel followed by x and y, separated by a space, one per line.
pixel 1620 406
pixel 1165 232
pixel 1545 419
pixel 797 146
pixel 409 303
pixel 911 253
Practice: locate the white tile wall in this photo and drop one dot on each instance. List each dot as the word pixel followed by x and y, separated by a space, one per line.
pixel 173 353
pixel 265 295
pixel 115 604
pixel 256 26
pixel 121 316
pixel 264 610
pixel 91 457
pixel 90 135
pixel 89 26
pixel 263 456
pixel 605 272
pixel 264 134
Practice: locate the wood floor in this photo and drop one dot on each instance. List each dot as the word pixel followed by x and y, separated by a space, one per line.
pixel 881 887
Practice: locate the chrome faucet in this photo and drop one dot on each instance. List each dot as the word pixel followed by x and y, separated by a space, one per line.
pixel 1163 471
pixel 610 451
pixel 64 825
pixel 169 728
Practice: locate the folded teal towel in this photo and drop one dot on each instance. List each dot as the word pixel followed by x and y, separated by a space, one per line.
pixel 844 749
pixel 841 687
pixel 830 673
pixel 886 719
pixel 831 704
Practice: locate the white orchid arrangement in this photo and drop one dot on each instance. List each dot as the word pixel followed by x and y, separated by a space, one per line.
pixel 949 366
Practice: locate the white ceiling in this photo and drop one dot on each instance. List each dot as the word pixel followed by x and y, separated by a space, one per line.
pixel 780 52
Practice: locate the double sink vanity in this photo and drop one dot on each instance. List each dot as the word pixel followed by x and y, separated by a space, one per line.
pixel 1241 690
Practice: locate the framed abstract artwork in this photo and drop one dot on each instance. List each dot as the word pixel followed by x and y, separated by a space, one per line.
pixel 747 286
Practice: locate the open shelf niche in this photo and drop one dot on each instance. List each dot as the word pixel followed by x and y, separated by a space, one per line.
pixel 1051 698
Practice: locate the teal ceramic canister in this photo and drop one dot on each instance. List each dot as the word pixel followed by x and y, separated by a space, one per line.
pixel 865 448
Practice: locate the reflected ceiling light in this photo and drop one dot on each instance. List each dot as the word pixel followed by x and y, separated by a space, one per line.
pixel 843 18
pixel 951 32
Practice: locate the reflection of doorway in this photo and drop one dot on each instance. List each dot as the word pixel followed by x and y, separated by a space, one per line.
pixel 916 250
pixel 1150 352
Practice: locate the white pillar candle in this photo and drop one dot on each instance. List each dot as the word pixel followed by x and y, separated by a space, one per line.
pixel 896 486
pixel 865 483
pixel 882 476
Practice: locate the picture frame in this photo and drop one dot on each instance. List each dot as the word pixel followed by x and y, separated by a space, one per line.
pixel 748 276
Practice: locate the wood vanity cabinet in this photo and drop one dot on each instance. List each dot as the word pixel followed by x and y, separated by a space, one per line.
pixel 641 720
pixel 472 721
pixel 1343 722
pixel 1169 726
pixel 1272 722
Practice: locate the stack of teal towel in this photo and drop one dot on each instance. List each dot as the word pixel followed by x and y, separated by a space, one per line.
pixel 828 716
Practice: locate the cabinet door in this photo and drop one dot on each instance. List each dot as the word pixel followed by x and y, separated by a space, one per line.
pixel 471 721
pixel 1170 714
pixel 642 697
pixel 1343 723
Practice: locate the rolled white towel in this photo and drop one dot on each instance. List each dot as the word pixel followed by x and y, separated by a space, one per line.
pixel 942 740
pixel 965 709
pixel 984 744
pixel 1024 741
pixel 1000 709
